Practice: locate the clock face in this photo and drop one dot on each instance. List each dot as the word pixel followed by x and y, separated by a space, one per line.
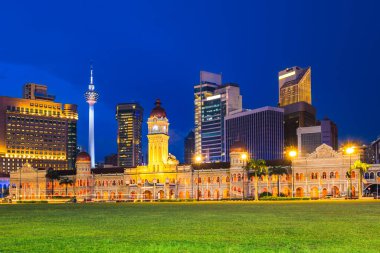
pixel 155 127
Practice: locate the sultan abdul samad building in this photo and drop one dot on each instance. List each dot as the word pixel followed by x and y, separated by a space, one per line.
pixel 317 175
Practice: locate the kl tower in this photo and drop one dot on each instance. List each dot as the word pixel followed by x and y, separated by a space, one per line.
pixel 91 97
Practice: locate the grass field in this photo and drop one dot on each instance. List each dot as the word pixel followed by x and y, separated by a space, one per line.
pixel 309 226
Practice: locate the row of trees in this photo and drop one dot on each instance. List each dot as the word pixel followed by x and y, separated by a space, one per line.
pixel 259 168
pixel 54 175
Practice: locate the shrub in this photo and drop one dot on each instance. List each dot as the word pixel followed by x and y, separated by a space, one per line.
pixel 270 198
pixel 265 194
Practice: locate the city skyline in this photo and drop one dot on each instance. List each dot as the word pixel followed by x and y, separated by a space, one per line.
pixel 66 73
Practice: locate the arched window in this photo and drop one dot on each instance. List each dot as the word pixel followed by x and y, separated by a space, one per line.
pixel 336 175
pixel 353 174
pixel 312 175
pixel 239 177
pixel 302 177
pixel 209 180
pixel 371 175
pixel 324 175
pixel 297 177
pixel 366 175
pixel 332 174
pixel 227 179
pixel 217 179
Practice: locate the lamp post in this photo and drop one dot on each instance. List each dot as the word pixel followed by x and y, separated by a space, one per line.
pixel 19 189
pixel 198 160
pixel 154 189
pixel 350 151
pixel 292 154
pixel 244 157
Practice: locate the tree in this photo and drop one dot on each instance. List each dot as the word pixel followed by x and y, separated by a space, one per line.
pixel 278 171
pixel 258 168
pixel 52 175
pixel 362 167
pixel 66 181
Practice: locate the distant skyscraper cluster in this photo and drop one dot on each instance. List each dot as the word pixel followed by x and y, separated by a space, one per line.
pixel 220 119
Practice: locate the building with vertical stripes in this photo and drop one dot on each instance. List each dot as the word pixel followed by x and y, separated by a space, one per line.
pixel 261 130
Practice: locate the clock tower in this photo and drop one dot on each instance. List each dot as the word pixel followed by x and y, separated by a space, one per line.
pixel 158 139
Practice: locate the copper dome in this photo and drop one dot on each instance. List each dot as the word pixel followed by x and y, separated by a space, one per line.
pixel 158 111
pixel 83 157
pixel 238 146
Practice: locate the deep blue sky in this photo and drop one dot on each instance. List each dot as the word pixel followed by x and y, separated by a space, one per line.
pixel 142 50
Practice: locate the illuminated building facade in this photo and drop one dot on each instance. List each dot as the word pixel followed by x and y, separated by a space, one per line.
pixel 317 175
pixel 294 86
pixel 129 118
pixel 91 98
pixel 38 131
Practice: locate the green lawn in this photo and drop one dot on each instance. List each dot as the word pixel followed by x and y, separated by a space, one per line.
pixel 310 226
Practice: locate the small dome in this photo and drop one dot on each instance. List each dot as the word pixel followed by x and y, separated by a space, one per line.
pixel 83 157
pixel 158 111
pixel 238 146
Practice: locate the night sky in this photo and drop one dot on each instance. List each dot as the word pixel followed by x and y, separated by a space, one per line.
pixel 143 50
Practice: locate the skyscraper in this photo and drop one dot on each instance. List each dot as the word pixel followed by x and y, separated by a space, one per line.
pixel 295 98
pixel 37 130
pixel 225 100
pixel 213 102
pixel 297 115
pixel 206 87
pixel 189 146
pixel 260 130
pixel 294 86
pixel 91 98
pixel 309 138
pixel 129 118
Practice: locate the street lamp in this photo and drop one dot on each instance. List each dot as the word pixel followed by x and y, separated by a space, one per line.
pixel 292 154
pixel 198 160
pixel 244 157
pixel 350 150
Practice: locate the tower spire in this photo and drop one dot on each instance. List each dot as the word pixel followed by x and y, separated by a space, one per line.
pixel 91 75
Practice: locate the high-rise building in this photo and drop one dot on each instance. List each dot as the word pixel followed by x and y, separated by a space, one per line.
pixel 209 82
pixel 261 130
pixel 374 150
pixel 226 99
pixel 37 130
pixel 91 98
pixel 36 91
pixel 309 138
pixel 294 86
pixel 189 147
pixel 129 118
pixel 297 115
pixel 213 101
